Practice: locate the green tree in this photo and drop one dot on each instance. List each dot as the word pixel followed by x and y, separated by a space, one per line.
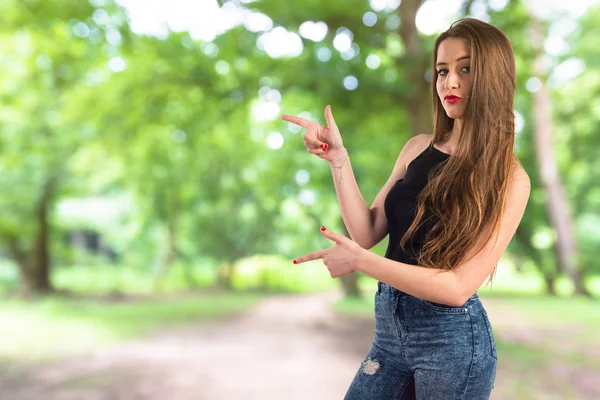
pixel 48 58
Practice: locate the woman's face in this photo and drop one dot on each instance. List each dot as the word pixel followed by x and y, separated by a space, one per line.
pixel 453 75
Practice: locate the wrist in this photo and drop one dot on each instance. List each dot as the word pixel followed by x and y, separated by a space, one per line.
pixel 336 156
pixel 362 261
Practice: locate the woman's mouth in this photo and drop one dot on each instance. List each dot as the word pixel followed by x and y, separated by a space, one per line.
pixel 452 99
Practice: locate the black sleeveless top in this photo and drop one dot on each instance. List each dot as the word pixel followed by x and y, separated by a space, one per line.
pixel 401 206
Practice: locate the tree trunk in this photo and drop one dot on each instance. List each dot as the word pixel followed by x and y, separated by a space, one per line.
pixel 550 282
pixel 549 272
pixel 225 272
pixel 350 285
pixel 41 270
pixel 171 255
pixel 557 204
pixel 415 63
pixel 24 263
pixel 34 263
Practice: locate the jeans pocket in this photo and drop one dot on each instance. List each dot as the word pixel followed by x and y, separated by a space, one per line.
pixel 442 307
pixel 490 335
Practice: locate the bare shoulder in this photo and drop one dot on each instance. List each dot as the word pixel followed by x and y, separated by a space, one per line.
pixel 519 172
pixel 421 141
pixel 411 149
pixel 415 146
pixel 519 186
pixel 519 176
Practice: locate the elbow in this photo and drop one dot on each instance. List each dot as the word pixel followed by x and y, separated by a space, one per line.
pixel 461 298
pixel 364 241
pixel 367 238
pixel 365 244
pixel 367 241
pixel 459 295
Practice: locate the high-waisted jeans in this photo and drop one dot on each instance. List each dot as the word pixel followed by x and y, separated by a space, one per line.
pixel 427 351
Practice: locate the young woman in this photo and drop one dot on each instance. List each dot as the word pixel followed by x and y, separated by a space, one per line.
pixel 451 206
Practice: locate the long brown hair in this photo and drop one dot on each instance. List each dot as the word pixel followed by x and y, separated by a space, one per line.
pixel 465 195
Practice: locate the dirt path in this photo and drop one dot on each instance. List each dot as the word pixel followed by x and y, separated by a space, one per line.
pixel 286 348
pixel 289 347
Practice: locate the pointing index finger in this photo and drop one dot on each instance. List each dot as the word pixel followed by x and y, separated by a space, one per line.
pixel 297 120
pixel 310 256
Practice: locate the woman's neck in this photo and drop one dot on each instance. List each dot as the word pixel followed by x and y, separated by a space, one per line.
pixel 452 141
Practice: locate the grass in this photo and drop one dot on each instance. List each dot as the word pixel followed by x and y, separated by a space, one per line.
pixel 525 372
pixel 59 326
pixel 548 310
pixel 542 371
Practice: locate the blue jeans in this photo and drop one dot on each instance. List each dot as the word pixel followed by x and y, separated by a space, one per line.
pixel 427 351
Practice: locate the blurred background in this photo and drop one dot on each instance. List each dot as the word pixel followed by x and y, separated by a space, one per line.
pixel 152 199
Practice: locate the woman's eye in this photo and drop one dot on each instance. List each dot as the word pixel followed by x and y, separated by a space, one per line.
pixel 442 72
pixel 466 69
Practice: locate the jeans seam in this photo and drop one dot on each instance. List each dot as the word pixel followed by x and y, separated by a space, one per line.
pixel 399 322
pixel 473 356
pixel 489 332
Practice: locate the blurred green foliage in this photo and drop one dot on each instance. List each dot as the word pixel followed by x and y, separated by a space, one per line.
pixel 178 143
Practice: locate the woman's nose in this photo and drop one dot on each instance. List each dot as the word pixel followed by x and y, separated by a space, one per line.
pixel 452 81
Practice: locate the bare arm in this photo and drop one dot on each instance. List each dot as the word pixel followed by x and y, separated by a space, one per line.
pixel 367 226
pixel 453 287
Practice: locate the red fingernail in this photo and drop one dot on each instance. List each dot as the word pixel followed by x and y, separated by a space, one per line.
pixel 322 146
pixel 323 229
pixel 295 261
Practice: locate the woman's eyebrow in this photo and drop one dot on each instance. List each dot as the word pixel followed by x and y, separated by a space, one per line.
pixel 458 59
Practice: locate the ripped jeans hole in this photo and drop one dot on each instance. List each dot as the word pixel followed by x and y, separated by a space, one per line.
pixel 370 367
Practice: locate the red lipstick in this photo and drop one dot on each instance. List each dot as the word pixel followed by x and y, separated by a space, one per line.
pixel 452 99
